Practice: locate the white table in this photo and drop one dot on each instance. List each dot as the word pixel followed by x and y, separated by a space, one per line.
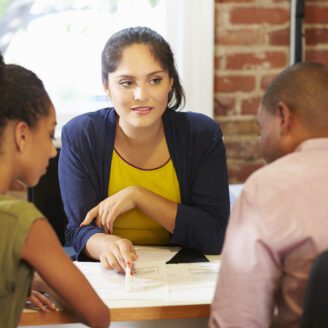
pixel 178 309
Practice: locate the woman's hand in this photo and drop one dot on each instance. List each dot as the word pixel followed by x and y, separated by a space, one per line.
pixel 110 208
pixel 40 301
pixel 118 254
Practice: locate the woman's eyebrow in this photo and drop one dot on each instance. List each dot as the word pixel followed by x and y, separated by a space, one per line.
pixel 156 72
pixel 127 76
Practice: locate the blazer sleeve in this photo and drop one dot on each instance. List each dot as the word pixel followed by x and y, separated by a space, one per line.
pixel 203 215
pixel 78 183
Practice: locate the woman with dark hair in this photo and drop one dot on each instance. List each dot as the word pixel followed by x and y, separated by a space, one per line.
pixel 27 241
pixel 141 172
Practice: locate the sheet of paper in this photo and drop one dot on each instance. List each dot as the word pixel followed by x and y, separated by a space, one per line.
pixel 149 282
pixel 192 281
pixel 155 283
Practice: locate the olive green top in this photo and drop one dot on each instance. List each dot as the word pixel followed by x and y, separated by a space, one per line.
pixel 16 218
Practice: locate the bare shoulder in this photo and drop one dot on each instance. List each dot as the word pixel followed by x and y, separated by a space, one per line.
pixel 40 240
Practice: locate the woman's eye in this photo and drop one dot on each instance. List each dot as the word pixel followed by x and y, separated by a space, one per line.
pixel 155 80
pixel 126 83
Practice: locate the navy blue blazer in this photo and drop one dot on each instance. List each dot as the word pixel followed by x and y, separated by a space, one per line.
pixel 198 154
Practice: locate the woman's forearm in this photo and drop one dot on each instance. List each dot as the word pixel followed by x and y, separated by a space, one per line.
pixel 156 207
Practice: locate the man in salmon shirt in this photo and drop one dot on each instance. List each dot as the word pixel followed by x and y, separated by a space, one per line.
pixel 280 222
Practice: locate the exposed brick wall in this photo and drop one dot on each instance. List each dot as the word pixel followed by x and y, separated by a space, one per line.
pixel 251 47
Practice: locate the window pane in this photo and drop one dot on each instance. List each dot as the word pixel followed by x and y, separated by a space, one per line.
pixel 62 42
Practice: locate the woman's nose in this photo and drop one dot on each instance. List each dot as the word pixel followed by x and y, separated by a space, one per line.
pixel 140 93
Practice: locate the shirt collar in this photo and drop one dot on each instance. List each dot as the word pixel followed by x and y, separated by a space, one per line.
pixel 313 144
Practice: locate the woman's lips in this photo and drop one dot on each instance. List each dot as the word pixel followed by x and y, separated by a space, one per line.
pixel 142 110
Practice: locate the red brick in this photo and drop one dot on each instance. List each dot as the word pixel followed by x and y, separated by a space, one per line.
pixel 250 106
pixel 244 37
pixel 232 125
pixel 224 105
pixel 233 1
pixel 217 62
pixel 236 111
pixel 246 148
pixel 239 171
pixel 316 14
pixel 280 37
pixel 320 56
pixel 259 15
pixel 234 83
pixel 262 60
pixel 315 36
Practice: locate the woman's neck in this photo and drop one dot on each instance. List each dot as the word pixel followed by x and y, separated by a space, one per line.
pixel 140 137
pixel 5 177
pixel 145 148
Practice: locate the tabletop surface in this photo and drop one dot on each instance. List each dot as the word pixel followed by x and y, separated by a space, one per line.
pixel 158 290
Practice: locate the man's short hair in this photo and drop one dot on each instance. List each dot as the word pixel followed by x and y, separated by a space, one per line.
pixel 303 87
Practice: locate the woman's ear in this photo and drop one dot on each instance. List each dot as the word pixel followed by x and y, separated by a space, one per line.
pixel 171 84
pixel 285 117
pixel 106 89
pixel 21 132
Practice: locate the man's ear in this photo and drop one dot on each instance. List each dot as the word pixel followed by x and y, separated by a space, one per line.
pixel 21 135
pixel 286 117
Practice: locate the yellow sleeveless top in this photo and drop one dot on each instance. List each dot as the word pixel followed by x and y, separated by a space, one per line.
pixel 134 225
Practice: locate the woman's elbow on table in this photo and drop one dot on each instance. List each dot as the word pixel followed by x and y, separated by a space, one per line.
pixel 212 240
pixel 99 318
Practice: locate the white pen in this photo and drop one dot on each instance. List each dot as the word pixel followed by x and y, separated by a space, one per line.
pixel 128 276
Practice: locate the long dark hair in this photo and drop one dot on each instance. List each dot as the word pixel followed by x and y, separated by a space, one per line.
pixel 22 95
pixel 161 50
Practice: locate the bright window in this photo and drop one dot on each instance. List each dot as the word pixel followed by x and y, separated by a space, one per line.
pixel 62 42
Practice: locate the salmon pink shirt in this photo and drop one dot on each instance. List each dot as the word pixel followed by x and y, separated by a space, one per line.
pixel 277 227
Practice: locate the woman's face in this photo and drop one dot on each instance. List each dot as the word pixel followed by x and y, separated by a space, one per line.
pixel 139 88
pixel 39 149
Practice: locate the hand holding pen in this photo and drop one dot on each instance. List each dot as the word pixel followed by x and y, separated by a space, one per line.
pixel 116 252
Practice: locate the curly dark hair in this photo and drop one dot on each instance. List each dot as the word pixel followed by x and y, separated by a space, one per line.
pixel 22 95
pixel 161 50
